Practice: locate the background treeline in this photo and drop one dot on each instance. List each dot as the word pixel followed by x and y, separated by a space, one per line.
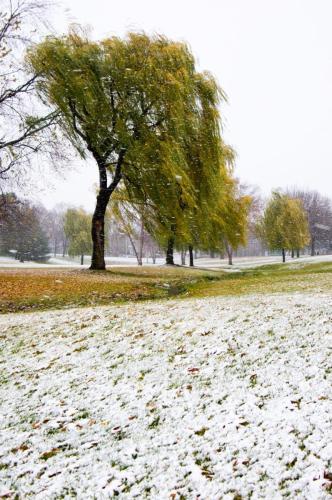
pixel 292 221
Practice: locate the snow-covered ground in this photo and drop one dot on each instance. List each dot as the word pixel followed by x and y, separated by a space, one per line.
pixel 55 262
pixel 238 262
pixel 222 398
pixel 248 262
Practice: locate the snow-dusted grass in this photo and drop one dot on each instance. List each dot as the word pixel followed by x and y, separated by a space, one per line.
pixel 251 262
pixel 226 398
pixel 127 261
pixel 33 289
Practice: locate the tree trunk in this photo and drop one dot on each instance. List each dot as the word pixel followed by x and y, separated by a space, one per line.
pixel 229 252
pixel 298 253
pixel 139 261
pixel 283 255
pixel 212 254
pixel 141 244
pixel 64 247
pixel 312 246
pixel 98 231
pixel 82 260
pixel 183 257
pixel 292 253
pixel 170 251
pixel 98 218
pixel 191 256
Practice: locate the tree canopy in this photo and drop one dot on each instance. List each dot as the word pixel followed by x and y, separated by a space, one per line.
pixel 284 225
pixel 21 231
pixel 77 225
pixel 140 108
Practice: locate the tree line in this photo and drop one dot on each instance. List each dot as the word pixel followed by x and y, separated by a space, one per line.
pixel 287 222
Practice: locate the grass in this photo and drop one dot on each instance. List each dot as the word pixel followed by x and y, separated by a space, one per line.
pixel 41 289
pixel 277 278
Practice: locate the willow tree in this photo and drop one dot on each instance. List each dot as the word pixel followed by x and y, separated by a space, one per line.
pixel 125 102
pixel 284 225
pixel 183 214
pixel 229 223
pixel 209 159
pixel 76 228
pixel 212 178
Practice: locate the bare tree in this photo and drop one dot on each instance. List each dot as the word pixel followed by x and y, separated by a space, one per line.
pixel 319 213
pixel 22 131
pixel 254 245
pixel 151 247
pixel 53 223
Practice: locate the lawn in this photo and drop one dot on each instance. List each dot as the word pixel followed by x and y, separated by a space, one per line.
pixel 42 289
pixel 216 398
pixel 225 395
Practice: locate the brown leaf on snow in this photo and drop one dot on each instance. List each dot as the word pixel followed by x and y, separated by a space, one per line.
pixel 22 447
pixel 327 475
pixel 115 430
pixel 48 454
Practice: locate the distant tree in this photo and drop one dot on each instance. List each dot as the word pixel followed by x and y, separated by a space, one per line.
pixel 319 213
pixel 55 229
pixel 256 208
pixel 9 210
pixel 22 232
pixel 152 248
pixel 8 205
pixel 23 132
pixel 77 226
pixel 128 103
pixel 231 219
pixel 284 225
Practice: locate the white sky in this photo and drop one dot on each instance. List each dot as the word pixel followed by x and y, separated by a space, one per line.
pixel 273 58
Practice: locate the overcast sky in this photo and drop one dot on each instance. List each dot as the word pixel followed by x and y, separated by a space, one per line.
pixel 273 58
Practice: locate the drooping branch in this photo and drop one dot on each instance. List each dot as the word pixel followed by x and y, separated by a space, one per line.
pixel 21 89
pixel 31 130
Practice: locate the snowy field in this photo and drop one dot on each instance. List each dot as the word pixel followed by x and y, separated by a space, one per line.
pixel 203 262
pixel 222 398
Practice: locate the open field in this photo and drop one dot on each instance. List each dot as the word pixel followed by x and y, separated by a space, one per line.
pixel 31 289
pixel 39 289
pixel 224 397
pixel 218 388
